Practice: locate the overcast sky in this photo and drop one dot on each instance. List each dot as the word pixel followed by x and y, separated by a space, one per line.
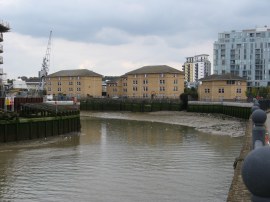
pixel 112 37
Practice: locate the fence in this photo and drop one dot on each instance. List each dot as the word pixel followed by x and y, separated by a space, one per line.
pixel 18 101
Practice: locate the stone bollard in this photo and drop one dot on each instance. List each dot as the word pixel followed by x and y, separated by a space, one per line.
pixel 253 108
pixel 256 166
pixel 258 132
pixel 256 175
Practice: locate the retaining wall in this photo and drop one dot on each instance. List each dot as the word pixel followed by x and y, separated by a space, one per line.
pixel 239 110
pixel 32 128
pixel 238 191
pixel 135 105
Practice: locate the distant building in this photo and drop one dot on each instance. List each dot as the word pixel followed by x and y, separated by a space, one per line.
pixel 159 81
pixel 195 68
pixel 114 89
pixel 4 27
pixel 20 84
pixel 33 83
pixel 244 53
pixel 222 87
pixel 74 83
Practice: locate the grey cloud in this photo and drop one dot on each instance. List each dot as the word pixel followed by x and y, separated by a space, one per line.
pixel 111 22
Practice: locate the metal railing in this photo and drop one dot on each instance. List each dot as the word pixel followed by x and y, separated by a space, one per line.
pixel 256 166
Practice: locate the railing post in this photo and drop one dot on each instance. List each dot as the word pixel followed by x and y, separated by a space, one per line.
pixel 258 132
pixel 256 166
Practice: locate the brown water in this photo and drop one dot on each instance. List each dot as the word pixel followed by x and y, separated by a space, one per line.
pixel 121 161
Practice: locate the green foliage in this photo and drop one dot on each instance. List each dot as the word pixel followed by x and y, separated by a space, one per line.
pixel 192 92
pixel 258 92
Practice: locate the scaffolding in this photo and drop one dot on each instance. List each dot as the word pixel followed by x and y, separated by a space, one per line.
pixel 4 27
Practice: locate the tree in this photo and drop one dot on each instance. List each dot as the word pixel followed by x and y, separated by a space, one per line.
pixel 192 93
pixel 259 92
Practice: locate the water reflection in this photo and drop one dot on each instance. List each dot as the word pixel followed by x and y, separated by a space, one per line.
pixel 118 160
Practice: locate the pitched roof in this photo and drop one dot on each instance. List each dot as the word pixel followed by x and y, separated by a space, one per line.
pixel 156 69
pixel 75 72
pixel 222 77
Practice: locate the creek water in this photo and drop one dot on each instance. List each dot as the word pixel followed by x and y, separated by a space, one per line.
pixel 121 161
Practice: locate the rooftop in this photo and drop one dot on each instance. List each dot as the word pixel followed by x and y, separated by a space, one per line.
pixel 222 77
pixel 75 72
pixel 156 69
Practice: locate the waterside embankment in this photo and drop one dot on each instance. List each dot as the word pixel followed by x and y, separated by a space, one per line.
pixel 38 120
pixel 238 191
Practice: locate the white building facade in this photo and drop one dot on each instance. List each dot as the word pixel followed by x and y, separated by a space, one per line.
pixel 196 68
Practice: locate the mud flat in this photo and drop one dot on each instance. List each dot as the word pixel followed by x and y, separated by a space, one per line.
pixel 217 124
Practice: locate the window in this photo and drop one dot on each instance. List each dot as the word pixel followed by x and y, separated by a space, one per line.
pixel 175 88
pixel 207 90
pixel 78 89
pixel 59 89
pixel 70 83
pixel 238 90
pixel 162 81
pixel 135 82
pixel 78 83
pixel 145 81
pixel 175 81
pixel 70 89
pixel 161 88
pixel 59 83
pixel 145 95
pixel 49 89
pixel 221 90
pixel 230 82
pixel 135 88
pixel 145 88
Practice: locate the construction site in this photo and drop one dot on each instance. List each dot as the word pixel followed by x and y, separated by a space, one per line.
pixel 4 27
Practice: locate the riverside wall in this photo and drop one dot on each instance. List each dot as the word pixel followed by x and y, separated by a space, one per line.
pixel 235 109
pixel 34 128
pixel 238 191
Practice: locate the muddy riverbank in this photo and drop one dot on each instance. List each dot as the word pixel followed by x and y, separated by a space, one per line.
pixel 217 124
